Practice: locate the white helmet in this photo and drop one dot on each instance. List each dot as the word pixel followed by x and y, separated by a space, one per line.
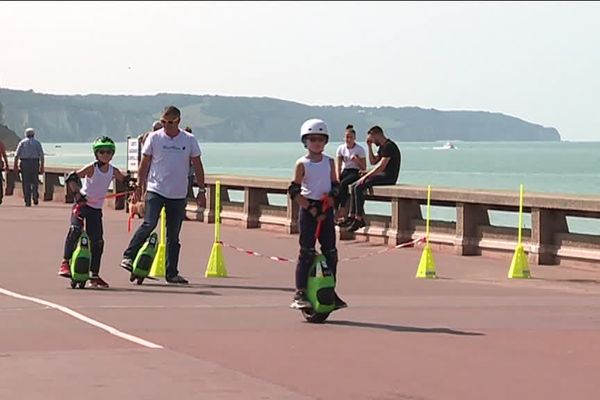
pixel 313 127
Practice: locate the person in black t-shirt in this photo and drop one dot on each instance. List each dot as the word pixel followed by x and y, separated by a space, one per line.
pixel 387 168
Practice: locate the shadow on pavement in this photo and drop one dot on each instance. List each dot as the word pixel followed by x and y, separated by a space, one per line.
pixel 400 328
pixel 216 286
pixel 157 289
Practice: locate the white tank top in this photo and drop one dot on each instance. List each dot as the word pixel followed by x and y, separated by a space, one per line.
pixel 317 177
pixel 96 186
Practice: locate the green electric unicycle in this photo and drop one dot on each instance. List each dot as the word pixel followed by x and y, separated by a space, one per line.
pixel 320 291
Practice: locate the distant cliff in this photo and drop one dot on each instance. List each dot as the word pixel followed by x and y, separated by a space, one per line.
pixel 244 119
pixel 9 138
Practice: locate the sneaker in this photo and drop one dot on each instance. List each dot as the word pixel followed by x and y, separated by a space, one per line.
pixel 300 301
pixel 346 222
pixel 339 303
pixel 96 281
pixel 65 269
pixel 356 225
pixel 178 279
pixel 36 202
pixel 127 263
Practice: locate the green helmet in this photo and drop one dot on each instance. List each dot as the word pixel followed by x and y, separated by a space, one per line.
pixel 103 142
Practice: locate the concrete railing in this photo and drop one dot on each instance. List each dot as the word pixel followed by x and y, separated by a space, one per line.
pixel 52 187
pixel 549 240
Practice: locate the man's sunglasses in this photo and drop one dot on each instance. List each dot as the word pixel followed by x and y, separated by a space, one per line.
pixel 165 122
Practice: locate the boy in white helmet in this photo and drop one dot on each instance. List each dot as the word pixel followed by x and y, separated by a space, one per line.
pixel 314 184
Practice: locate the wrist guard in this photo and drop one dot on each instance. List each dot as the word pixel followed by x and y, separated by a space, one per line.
pixel 73 177
pixel 130 181
pixel 335 190
pixel 294 190
pixel 80 198
pixel 316 205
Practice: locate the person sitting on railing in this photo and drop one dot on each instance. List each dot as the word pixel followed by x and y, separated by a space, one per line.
pixel 387 168
pixel 350 160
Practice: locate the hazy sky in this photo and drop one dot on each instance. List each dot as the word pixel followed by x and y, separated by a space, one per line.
pixel 536 61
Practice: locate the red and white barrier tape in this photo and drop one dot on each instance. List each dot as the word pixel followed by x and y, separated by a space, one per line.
pixel 257 254
pixel 118 194
pixel 410 243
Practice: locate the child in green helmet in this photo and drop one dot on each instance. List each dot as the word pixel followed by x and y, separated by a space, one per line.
pixel 89 199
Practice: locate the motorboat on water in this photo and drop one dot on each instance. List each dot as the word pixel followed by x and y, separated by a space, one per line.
pixel 447 146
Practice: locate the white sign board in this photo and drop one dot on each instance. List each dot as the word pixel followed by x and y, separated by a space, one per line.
pixel 132 154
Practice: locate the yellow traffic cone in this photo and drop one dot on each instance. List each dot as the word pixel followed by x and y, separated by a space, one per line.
pixel 216 263
pixel 519 267
pixel 160 261
pixel 426 268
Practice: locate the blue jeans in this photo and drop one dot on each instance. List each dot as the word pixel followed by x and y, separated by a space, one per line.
pixel 175 210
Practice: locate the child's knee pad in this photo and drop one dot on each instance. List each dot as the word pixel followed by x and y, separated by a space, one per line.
pixel 306 254
pixel 74 232
pixel 331 255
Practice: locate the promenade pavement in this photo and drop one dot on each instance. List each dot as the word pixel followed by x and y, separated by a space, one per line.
pixel 471 334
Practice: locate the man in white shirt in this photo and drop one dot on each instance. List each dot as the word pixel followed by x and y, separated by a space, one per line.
pixel 163 177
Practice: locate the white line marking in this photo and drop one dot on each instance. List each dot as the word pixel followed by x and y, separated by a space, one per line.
pixel 85 319
pixel 188 307
pixel 155 307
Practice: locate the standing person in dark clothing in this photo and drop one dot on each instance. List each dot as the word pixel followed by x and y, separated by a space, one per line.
pixel 29 151
pixel 387 168
pixel 191 175
pixel 3 165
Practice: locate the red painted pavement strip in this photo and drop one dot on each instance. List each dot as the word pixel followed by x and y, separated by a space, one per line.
pixel 128 374
pixel 401 337
pixel 49 330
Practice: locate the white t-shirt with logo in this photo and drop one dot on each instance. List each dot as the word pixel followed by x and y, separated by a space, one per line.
pixel 168 174
pixel 346 154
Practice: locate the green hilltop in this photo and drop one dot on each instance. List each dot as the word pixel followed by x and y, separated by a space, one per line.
pixel 79 118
